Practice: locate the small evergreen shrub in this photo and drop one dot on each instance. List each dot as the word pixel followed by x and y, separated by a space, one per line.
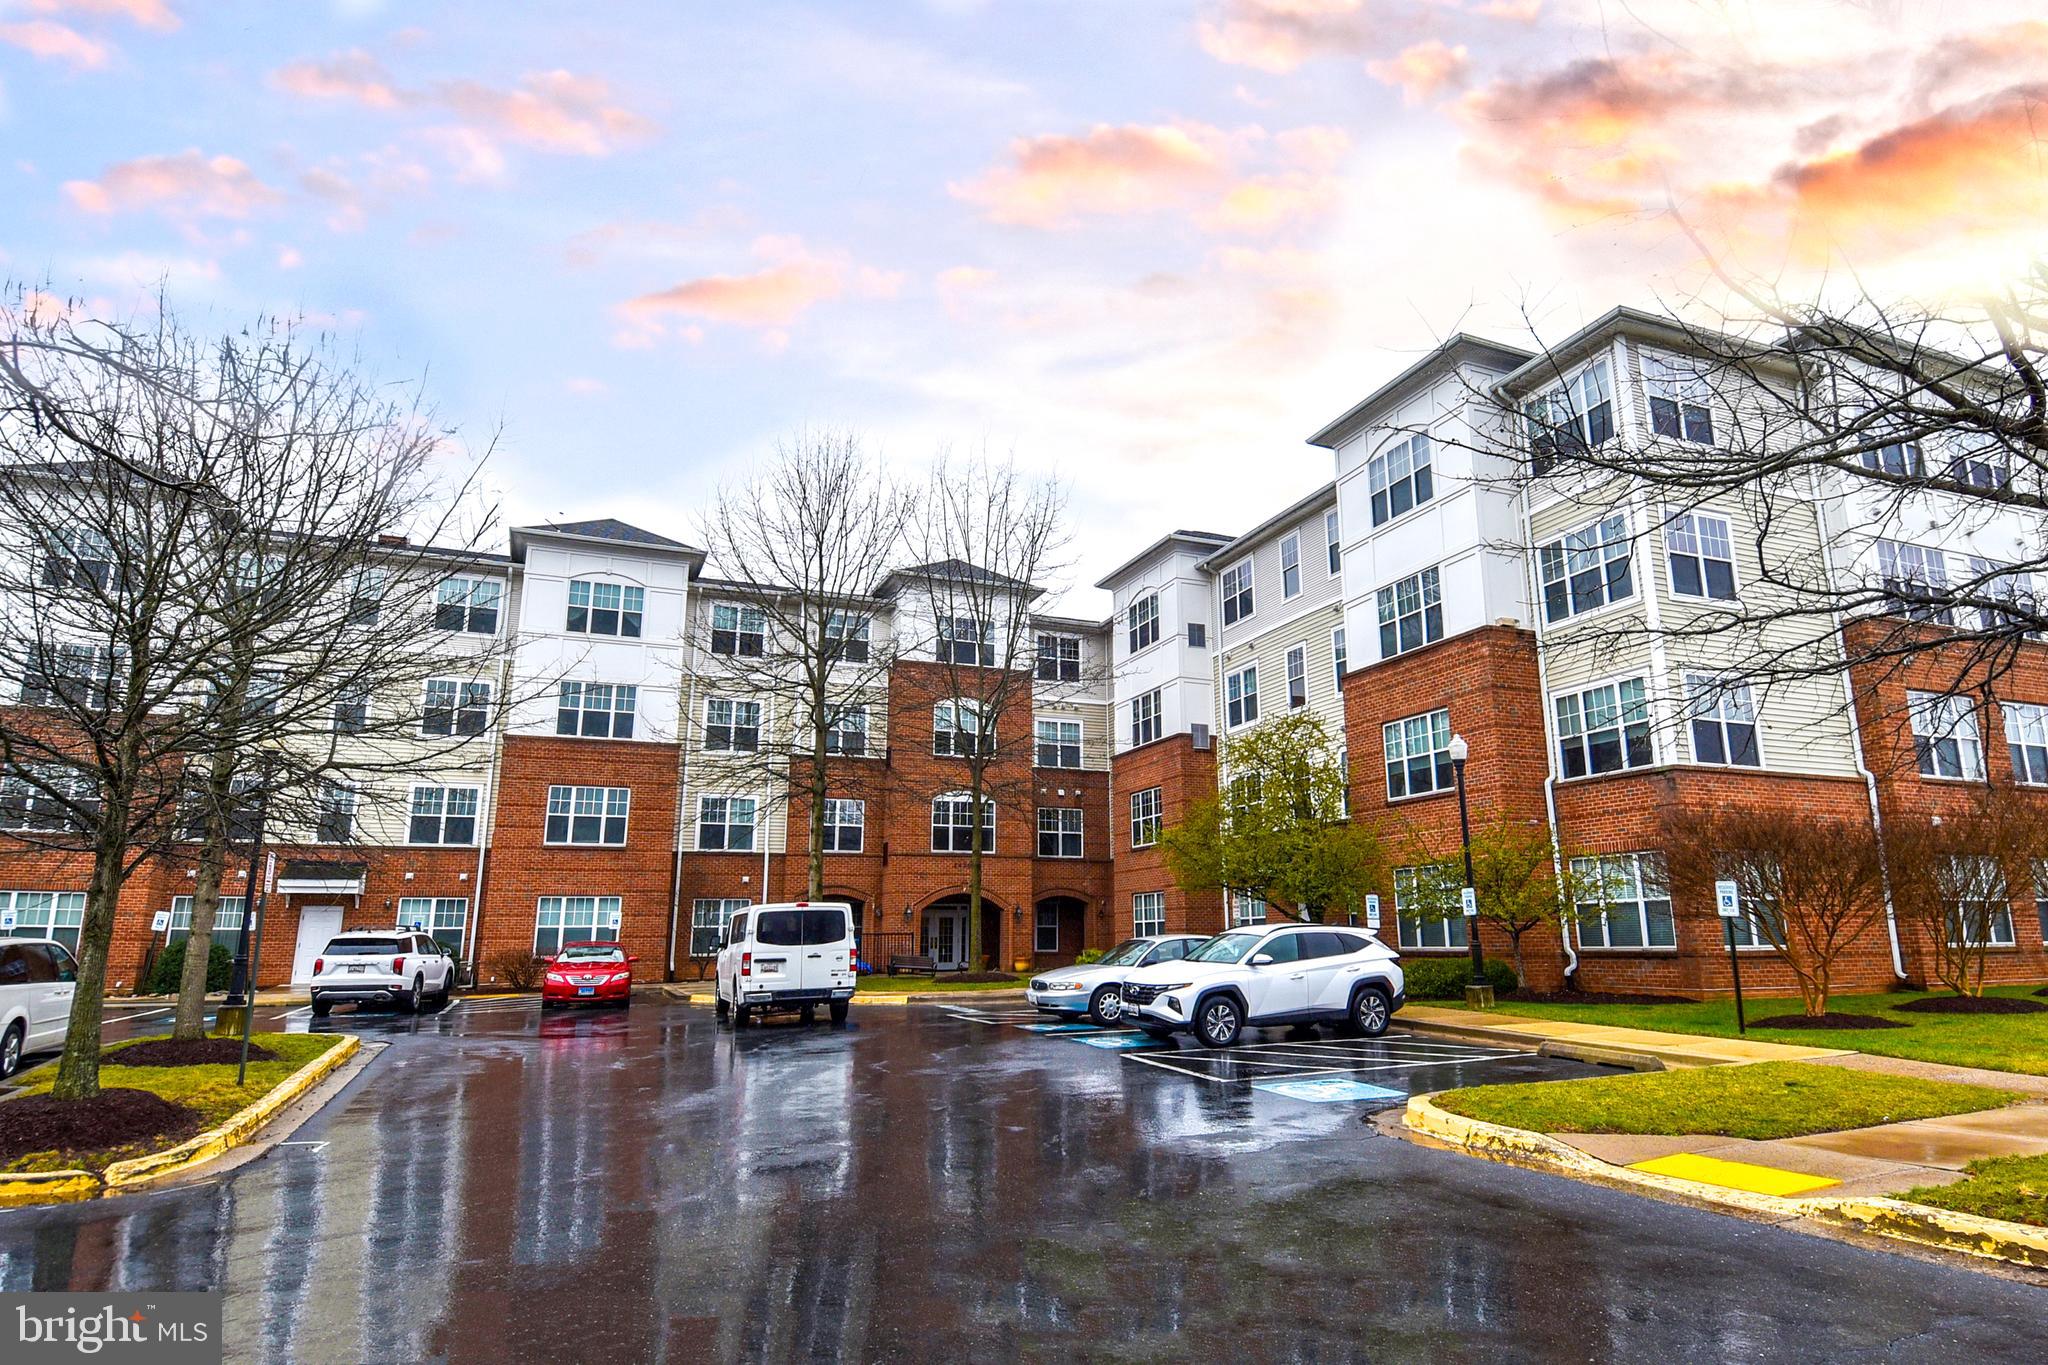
pixel 169 967
pixel 1445 978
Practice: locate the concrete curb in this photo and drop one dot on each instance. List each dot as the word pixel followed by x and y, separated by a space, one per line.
pixel 1989 1238
pixel 53 1187
pixel 706 997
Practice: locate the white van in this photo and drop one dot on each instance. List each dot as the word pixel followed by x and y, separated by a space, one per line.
pixel 793 956
pixel 37 981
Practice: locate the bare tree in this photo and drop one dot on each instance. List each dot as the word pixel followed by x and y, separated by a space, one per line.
pixel 800 547
pixel 189 522
pixel 988 538
pixel 1952 877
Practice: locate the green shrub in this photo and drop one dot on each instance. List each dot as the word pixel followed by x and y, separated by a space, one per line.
pixel 169 967
pixel 1086 956
pixel 1445 978
pixel 517 968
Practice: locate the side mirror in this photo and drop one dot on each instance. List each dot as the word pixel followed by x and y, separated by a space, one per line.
pixel 1262 959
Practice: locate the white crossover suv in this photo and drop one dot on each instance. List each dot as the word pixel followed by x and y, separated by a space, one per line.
pixel 1268 974
pixel 37 981
pixel 1091 989
pixel 383 966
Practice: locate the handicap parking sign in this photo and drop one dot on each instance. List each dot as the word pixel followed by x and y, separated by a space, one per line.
pixel 1329 1090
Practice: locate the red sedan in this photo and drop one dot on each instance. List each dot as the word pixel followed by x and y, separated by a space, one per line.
pixel 588 974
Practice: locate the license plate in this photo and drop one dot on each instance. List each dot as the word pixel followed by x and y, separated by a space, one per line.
pixel 358 967
pixel 586 990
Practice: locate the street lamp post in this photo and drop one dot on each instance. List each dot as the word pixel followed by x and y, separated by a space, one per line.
pixel 1478 992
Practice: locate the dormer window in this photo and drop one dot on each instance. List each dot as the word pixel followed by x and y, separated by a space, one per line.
pixel 605 608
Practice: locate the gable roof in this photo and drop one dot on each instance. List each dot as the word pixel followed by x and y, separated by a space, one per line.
pixel 954 570
pixel 607 529
pixel 1458 349
pixel 1202 542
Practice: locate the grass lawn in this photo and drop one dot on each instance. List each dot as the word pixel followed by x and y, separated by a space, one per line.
pixel 2001 1042
pixel 208 1090
pixel 1767 1100
pixel 878 984
pixel 2014 1188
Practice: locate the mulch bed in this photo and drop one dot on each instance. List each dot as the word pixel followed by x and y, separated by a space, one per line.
pixel 195 1052
pixel 112 1118
pixel 1971 1004
pixel 1830 1020
pixel 1588 998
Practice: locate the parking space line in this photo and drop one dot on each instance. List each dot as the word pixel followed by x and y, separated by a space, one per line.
pixel 1167 1064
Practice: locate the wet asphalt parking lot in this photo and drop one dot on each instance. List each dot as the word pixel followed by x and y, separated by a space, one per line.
pixel 955 1182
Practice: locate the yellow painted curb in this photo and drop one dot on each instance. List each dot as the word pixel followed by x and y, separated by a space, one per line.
pixel 47 1187
pixel 1734 1175
pixel 1990 1238
pixel 238 1129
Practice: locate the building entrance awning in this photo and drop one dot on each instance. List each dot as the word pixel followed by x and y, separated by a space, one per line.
pixel 303 877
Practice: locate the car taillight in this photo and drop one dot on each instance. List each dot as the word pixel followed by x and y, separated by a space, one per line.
pixel 746 964
pixel 398 966
pixel 319 965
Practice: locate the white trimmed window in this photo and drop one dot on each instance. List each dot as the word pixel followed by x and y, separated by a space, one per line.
pixel 953 824
pixel 227 921
pixel 1587 569
pixel 737 631
pixel 1045 930
pixel 1979 907
pixel 1678 393
pixel 1145 717
pixel 1624 901
pixel 605 609
pixel 53 914
pixel 78 557
pixel 45 796
pixel 1915 581
pixel 1059 658
pixel 1059 743
pixel 1143 621
pixel 725 823
pixel 1148 913
pixel 1337 652
pixel 1332 544
pixel 708 918
pixel 845 825
pixel 1344 781
pixel 1246 908
pixel 957 729
pixel 1976 465
pixel 2026 735
pixel 443 918
pixel 1604 729
pixel 846 637
pixel 1145 811
pixel 1241 692
pixel 1421 895
pixel 454 707
pixel 335 816
pixel 732 726
pixel 1945 740
pixel 2040 870
pixel 575 919
pixel 469 605
pixel 1400 478
pixel 588 815
pixel 352 711
pixel 603 710
pixel 1418 754
pixel 1290 566
pixel 1237 592
pixel 1577 415
pixel 442 815
pixel 1059 832
pixel 847 735
pixel 1901 459
pixel 1723 721
pixel 966 640
pixel 1701 553
pixel 1297 677
pixel 1411 613
pixel 69 674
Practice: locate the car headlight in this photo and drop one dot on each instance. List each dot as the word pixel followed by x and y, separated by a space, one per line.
pixel 1176 986
pixel 1064 986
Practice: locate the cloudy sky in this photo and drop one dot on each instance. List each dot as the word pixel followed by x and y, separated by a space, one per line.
pixel 1148 246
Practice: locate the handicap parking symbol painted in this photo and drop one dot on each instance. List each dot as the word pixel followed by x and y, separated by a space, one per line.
pixel 1329 1090
pixel 1115 1041
pixel 1057 1028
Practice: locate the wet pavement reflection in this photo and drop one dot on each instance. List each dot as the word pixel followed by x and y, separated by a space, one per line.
pixel 943 1184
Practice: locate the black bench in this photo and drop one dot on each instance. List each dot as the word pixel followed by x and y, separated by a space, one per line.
pixel 905 962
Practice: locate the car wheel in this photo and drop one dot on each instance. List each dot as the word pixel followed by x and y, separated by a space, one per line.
pixel 839 1011
pixel 322 1008
pixel 1106 1007
pixel 721 1008
pixel 1370 1013
pixel 740 1013
pixel 417 996
pixel 1218 1021
pixel 10 1050
pixel 807 1015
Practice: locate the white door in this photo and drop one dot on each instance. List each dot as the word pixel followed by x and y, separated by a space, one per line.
pixel 945 938
pixel 317 924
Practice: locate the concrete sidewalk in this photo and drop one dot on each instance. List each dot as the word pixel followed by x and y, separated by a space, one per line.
pixel 1566 1038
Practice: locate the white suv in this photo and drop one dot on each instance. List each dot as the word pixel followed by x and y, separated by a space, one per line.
pixel 1269 974
pixel 37 981
pixel 381 966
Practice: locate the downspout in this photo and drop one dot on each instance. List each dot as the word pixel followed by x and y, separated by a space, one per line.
pixel 685 727
pixel 1571 956
pixel 1891 915
pixel 486 816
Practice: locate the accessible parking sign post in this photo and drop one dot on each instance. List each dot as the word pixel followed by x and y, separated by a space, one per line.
pixel 1728 900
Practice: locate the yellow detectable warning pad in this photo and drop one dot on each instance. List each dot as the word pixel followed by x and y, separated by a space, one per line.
pixel 1734 1175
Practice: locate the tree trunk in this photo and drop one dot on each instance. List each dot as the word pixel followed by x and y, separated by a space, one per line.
pixel 1515 947
pixel 814 876
pixel 974 943
pixel 78 1070
pixel 190 1020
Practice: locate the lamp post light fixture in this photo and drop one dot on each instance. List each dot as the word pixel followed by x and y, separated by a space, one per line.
pixel 1478 993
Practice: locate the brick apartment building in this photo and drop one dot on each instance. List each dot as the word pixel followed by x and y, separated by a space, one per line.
pixel 1424 592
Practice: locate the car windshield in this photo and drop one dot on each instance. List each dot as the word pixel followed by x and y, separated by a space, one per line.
pixel 1230 947
pixel 1125 953
pixel 363 947
pixel 592 952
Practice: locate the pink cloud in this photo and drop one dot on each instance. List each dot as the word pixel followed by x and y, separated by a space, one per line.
pixel 1279 35
pixel 187 184
pixel 353 75
pixel 776 295
pixel 551 111
pixel 53 42
pixel 1424 70
pixel 1132 168
pixel 152 14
